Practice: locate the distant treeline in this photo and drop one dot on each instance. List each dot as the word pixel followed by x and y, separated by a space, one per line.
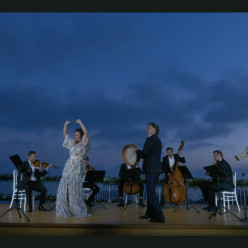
pixel 115 180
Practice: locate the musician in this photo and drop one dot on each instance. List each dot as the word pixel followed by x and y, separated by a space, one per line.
pixel 31 180
pixel 151 154
pixel 133 172
pixel 209 188
pixel 90 184
pixel 168 162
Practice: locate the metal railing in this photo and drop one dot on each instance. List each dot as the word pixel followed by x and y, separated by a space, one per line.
pixel 109 192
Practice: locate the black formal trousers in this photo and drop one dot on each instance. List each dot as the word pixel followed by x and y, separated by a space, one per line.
pixel 209 189
pixel 153 207
pixel 36 186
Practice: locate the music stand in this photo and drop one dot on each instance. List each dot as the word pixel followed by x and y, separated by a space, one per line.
pixel 187 175
pixel 215 172
pixel 95 176
pixel 18 164
pixel 245 219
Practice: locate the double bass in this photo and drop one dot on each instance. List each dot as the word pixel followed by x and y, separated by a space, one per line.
pixel 175 190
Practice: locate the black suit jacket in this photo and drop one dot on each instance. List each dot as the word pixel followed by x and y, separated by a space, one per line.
pixel 166 163
pixel 126 173
pixel 151 155
pixel 27 172
pixel 227 181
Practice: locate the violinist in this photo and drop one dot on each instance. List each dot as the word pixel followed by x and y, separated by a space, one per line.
pixel 90 184
pixel 31 180
pixel 209 188
pixel 126 172
pixel 168 162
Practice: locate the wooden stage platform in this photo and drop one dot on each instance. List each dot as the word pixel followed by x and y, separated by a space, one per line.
pixel 117 221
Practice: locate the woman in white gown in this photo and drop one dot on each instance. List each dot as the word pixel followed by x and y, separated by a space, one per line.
pixel 70 200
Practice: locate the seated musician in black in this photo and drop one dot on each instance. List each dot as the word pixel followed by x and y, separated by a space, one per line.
pixel 133 172
pixel 31 180
pixel 209 188
pixel 168 162
pixel 90 184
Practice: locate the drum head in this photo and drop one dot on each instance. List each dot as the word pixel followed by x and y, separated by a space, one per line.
pixel 129 154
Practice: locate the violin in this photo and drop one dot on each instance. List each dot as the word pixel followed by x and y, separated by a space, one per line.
pixel 89 168
pixel 39 164
pixel 175 190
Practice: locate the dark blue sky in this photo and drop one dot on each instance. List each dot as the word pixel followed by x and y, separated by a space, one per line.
pixel 118 71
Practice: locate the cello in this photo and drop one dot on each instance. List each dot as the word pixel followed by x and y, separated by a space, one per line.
pixel 131 186
pixel 175 190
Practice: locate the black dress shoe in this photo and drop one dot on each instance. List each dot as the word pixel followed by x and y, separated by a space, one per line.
pixel 41 208
pixel 213 209
pixel 121 203
pixel 30 209
pixel 146 216
pixel 89 203
pixel 206 208
pixel 156 220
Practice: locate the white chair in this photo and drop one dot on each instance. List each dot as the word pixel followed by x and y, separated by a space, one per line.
pixel 228 196
pixel 133 197
pixel 21 193
pixel 86 191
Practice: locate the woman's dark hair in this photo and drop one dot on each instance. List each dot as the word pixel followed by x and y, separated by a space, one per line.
pixel 154 125
pixel 31 152
pixel 80 130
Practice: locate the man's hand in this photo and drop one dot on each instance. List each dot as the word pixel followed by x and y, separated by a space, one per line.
pixel 180 154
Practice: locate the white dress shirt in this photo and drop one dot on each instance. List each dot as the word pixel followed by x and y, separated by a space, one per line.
pixel 32 178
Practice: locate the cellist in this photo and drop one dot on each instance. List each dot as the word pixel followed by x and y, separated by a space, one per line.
pixel 126 172
pixel 168 163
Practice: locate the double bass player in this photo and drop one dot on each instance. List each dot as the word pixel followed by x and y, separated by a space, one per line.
pixel 168 162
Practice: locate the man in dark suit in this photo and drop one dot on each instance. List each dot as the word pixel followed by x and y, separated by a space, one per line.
pixel 90 184
pixel 152 168
pixel 168 162
pixel 126 172
pixel 209 188
pixel 31 180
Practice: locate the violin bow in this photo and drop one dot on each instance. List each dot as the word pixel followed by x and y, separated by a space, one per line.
pixel 43 154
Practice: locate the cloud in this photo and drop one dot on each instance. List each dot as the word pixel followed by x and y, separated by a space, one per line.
pixel 210 113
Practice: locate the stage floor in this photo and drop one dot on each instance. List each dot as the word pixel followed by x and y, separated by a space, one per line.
pixel 114 220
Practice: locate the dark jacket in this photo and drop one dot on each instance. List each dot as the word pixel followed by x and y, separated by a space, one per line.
pixel 226 181
pixel 166 163
pixel 125 173
pixel 27 172
pixel 151 155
